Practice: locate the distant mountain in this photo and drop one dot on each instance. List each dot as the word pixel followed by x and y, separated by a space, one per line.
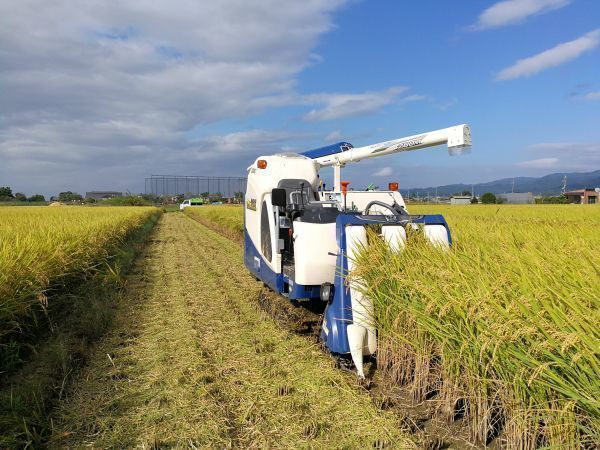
pixel 548 185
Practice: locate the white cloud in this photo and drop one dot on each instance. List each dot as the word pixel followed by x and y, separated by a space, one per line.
pixel 579 156
pixel 541 163
pixel 244 142
pixel 334 136
pixel 592 96
pixel 384 172
pixel 340 105
pixel 111 92
pixel 509 12
pixel 553 57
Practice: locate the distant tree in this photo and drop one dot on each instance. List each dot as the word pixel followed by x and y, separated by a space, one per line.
pixel 216 197
pixel 19 196
pixel 69 196
pixel 180 198
pixel 153 198
pixel 465 193
pixel 238 197
pixel 91 200
pixel 474 200
pixel 205 195
pixel 6 193
pixel 37 198
pixel 488 198
pixel 560 199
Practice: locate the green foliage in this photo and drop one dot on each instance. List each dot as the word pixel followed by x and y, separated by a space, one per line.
pixel 6 193
pixel 216 197
pixel 474 200
pixel 152 198
pixel 69 197
pixel 37 198
pixel 20 197
pixel 488 198
pixel 556 200
pixel 127 200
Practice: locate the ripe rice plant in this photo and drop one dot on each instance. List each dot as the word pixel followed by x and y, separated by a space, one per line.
pixel 42 247
pixel 225 219
pixel 504 326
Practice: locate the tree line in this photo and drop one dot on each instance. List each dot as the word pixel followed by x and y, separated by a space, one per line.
pixel 6 195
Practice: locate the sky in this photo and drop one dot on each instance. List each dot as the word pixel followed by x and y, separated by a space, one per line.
pixel 97 95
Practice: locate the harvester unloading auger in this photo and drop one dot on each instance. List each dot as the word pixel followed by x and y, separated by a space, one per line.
pixel 301 240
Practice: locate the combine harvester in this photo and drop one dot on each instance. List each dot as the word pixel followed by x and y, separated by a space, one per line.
pixel 301 240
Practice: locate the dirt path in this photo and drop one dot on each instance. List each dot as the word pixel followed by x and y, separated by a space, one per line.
pixel 194 362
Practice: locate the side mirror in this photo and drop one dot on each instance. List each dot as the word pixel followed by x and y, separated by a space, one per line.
pixel 278 197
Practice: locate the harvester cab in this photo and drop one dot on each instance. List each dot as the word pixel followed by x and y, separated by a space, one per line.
pixel 302 241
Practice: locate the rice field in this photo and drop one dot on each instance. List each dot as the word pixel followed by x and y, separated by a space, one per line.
pixel 43 247
pixel 502 330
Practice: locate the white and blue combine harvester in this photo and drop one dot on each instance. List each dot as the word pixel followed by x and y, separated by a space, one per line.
pixel 301 240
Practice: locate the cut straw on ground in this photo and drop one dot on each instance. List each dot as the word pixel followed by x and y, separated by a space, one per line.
pixel 194 362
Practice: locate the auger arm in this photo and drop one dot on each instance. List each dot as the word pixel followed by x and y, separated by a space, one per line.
pixel 458 139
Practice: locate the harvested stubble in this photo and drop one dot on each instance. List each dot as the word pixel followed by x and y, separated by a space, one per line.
pixel 504 326
pixel 41 247
pixel 194 363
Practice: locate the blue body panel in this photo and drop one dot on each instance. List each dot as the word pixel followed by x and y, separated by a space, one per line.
pixel 328 150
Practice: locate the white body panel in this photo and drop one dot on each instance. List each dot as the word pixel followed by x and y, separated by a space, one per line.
pixel 437 235
pixel 260 184
pixel 312 243
pixel 361 333
pixel 395 236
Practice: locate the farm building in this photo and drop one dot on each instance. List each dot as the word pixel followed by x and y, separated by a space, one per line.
pixel 460 200
pixel 583 196
pixel 103 195
pixel 517 198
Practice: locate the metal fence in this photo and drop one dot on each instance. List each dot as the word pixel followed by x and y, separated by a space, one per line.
pixel 194 185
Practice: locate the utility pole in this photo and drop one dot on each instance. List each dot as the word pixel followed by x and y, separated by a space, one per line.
pixel 513 186
pixel 436 196
pixel 564 186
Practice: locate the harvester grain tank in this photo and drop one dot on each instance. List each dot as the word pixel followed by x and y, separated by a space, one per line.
pixel 301 241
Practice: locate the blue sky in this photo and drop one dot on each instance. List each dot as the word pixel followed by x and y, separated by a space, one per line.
pixel 99 98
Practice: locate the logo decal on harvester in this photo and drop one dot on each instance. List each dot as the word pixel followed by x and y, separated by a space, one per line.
pixel 404 144
pixel 251 204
